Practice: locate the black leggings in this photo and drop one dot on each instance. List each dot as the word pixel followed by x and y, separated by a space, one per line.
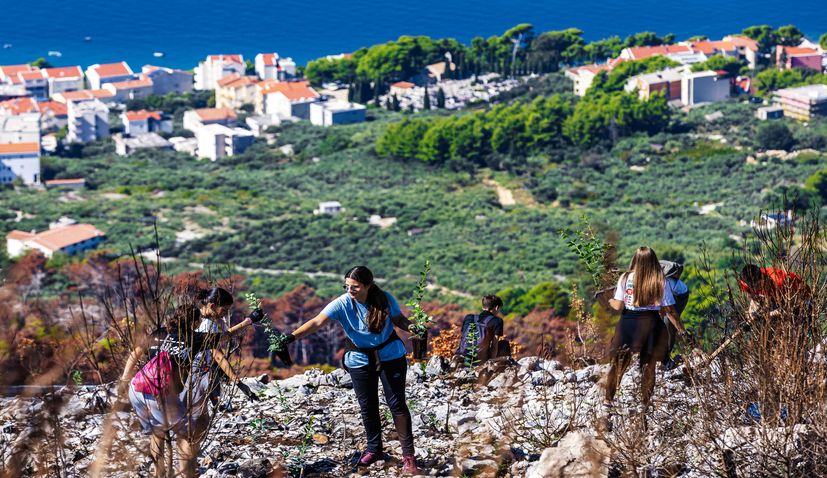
pixel 365 384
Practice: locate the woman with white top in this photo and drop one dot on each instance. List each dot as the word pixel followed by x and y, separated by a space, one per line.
pixel 642 296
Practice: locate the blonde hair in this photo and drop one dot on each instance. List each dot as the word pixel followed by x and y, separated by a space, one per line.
pixel 648 280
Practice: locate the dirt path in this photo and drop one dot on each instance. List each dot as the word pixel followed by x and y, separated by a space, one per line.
pixel 504 195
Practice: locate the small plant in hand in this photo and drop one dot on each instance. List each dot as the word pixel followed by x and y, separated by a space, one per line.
pixel 277 342
pixel 420 321
pixel 592 251
pixel 77 377
pixel 472 353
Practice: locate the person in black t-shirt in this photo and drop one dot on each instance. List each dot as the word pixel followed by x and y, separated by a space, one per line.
pixel 489 328
pixel 167 409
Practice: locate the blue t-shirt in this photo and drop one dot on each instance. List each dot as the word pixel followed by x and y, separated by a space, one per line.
pixel 354 321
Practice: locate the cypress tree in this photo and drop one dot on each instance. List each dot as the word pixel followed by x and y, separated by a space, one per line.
pixel 440 98
pixel 426 102
pixel 395 103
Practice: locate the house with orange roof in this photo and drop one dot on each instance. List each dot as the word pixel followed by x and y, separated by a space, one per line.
pixel 747 49
pixel 100 74
pixel 583 76
pixel 88 121
pixel 216 67
pixel 168 80
pixel 712 48
pixel 234 91
pixel 401 88
pixel 143 121
pixel 64 78
pixel 643 52
pixel 84 95
pixel 285 99
pixel 789 57
pixel 196 119
pixel 8 73
pixel 20 161
pixel 123 91
pixel 270 66
pixel 60 237
pixel 18 106
pixel 36 86
pixel 53 115
pixel 69 183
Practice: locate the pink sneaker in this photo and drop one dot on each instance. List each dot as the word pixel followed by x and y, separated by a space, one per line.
pixel 369 458
pixel 409 465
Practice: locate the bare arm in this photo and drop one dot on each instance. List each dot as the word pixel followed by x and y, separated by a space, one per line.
pixel 310 327
pixel 402 322
pixel 616 304
pixel 239 326
pixel 224 364
pixel 673 317
pixel 131 364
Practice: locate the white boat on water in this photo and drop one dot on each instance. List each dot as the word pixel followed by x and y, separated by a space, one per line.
pixel 87 38
pixel 7 45
pixel 158 54
pixel 55 53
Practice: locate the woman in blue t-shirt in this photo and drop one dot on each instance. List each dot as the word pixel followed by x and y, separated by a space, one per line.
pixel 642 295
pixel 374 352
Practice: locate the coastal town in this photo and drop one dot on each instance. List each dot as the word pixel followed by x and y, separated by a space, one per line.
pixel 46 109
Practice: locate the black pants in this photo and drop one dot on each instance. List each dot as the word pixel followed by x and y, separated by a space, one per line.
pixel 365 384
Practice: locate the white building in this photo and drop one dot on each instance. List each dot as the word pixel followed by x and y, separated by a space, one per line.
pixel 99 74
pixel 216 141
pixel 196 119
pixel 216 67
pixel 703 87
pixel 168 80
pixel 123 91
pixel 88 121
pixel 67 97
pixel 269 66
pixel 285 99
pixel 331 208
pixel 21 128
pixel 69 239
pixel 20 160
pixel 36 86
pixel 259 124
pixel 53 115
pixel 583 76
pixel 329 113
pixel 65 78
pixel 126 145
pixel 143 121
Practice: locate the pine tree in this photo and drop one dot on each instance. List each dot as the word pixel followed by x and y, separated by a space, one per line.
pixel 440 98
pixel 426 102
pixel 395 103
pixel 389 103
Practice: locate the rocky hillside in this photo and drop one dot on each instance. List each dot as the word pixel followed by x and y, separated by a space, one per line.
pixel 530 418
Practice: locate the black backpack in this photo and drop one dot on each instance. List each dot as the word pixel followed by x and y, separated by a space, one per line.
pixel 482 335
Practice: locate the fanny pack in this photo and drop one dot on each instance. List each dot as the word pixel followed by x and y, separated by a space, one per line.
pixel 371 352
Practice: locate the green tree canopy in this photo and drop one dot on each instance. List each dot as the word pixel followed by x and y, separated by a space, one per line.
pixel 775 135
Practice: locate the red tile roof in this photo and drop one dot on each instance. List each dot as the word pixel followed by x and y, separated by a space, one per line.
pixel 215 114
pixel 19 235
pixel 744 42
pixel 57 108
pixel 799 51
pixel 131 84
pixel 293 90
pixel 712 47
pixel 269 59
pixel 226 58
pixel 403 84
pixel 19 148
pixel 30 75
pixel 65 182
pixel 65 236
pixel 641 52
pixel 143 115
pixel 594 69
pixel 13 70
pixel 236 81
pixel 63 72
pixel 108 70
pixel 85 95
pixel 18 106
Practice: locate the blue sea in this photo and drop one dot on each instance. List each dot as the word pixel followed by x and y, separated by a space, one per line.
pixel 187 30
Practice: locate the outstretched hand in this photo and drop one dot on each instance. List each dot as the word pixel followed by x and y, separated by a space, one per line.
pixel 257 316
pixel 246 391
pixel 281 350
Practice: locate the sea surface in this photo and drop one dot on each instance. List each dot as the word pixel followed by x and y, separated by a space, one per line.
pixel 98 31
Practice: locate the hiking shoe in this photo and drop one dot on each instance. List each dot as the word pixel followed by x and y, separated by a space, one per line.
pixel 409 465
pixel 368 458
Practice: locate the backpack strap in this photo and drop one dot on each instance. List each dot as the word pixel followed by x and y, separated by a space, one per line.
pixel 371 352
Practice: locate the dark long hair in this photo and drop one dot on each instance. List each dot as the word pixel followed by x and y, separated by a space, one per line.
pixel 216 296
pixel 377 302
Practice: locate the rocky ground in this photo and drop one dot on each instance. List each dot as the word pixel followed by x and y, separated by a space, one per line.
pixel 497 420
